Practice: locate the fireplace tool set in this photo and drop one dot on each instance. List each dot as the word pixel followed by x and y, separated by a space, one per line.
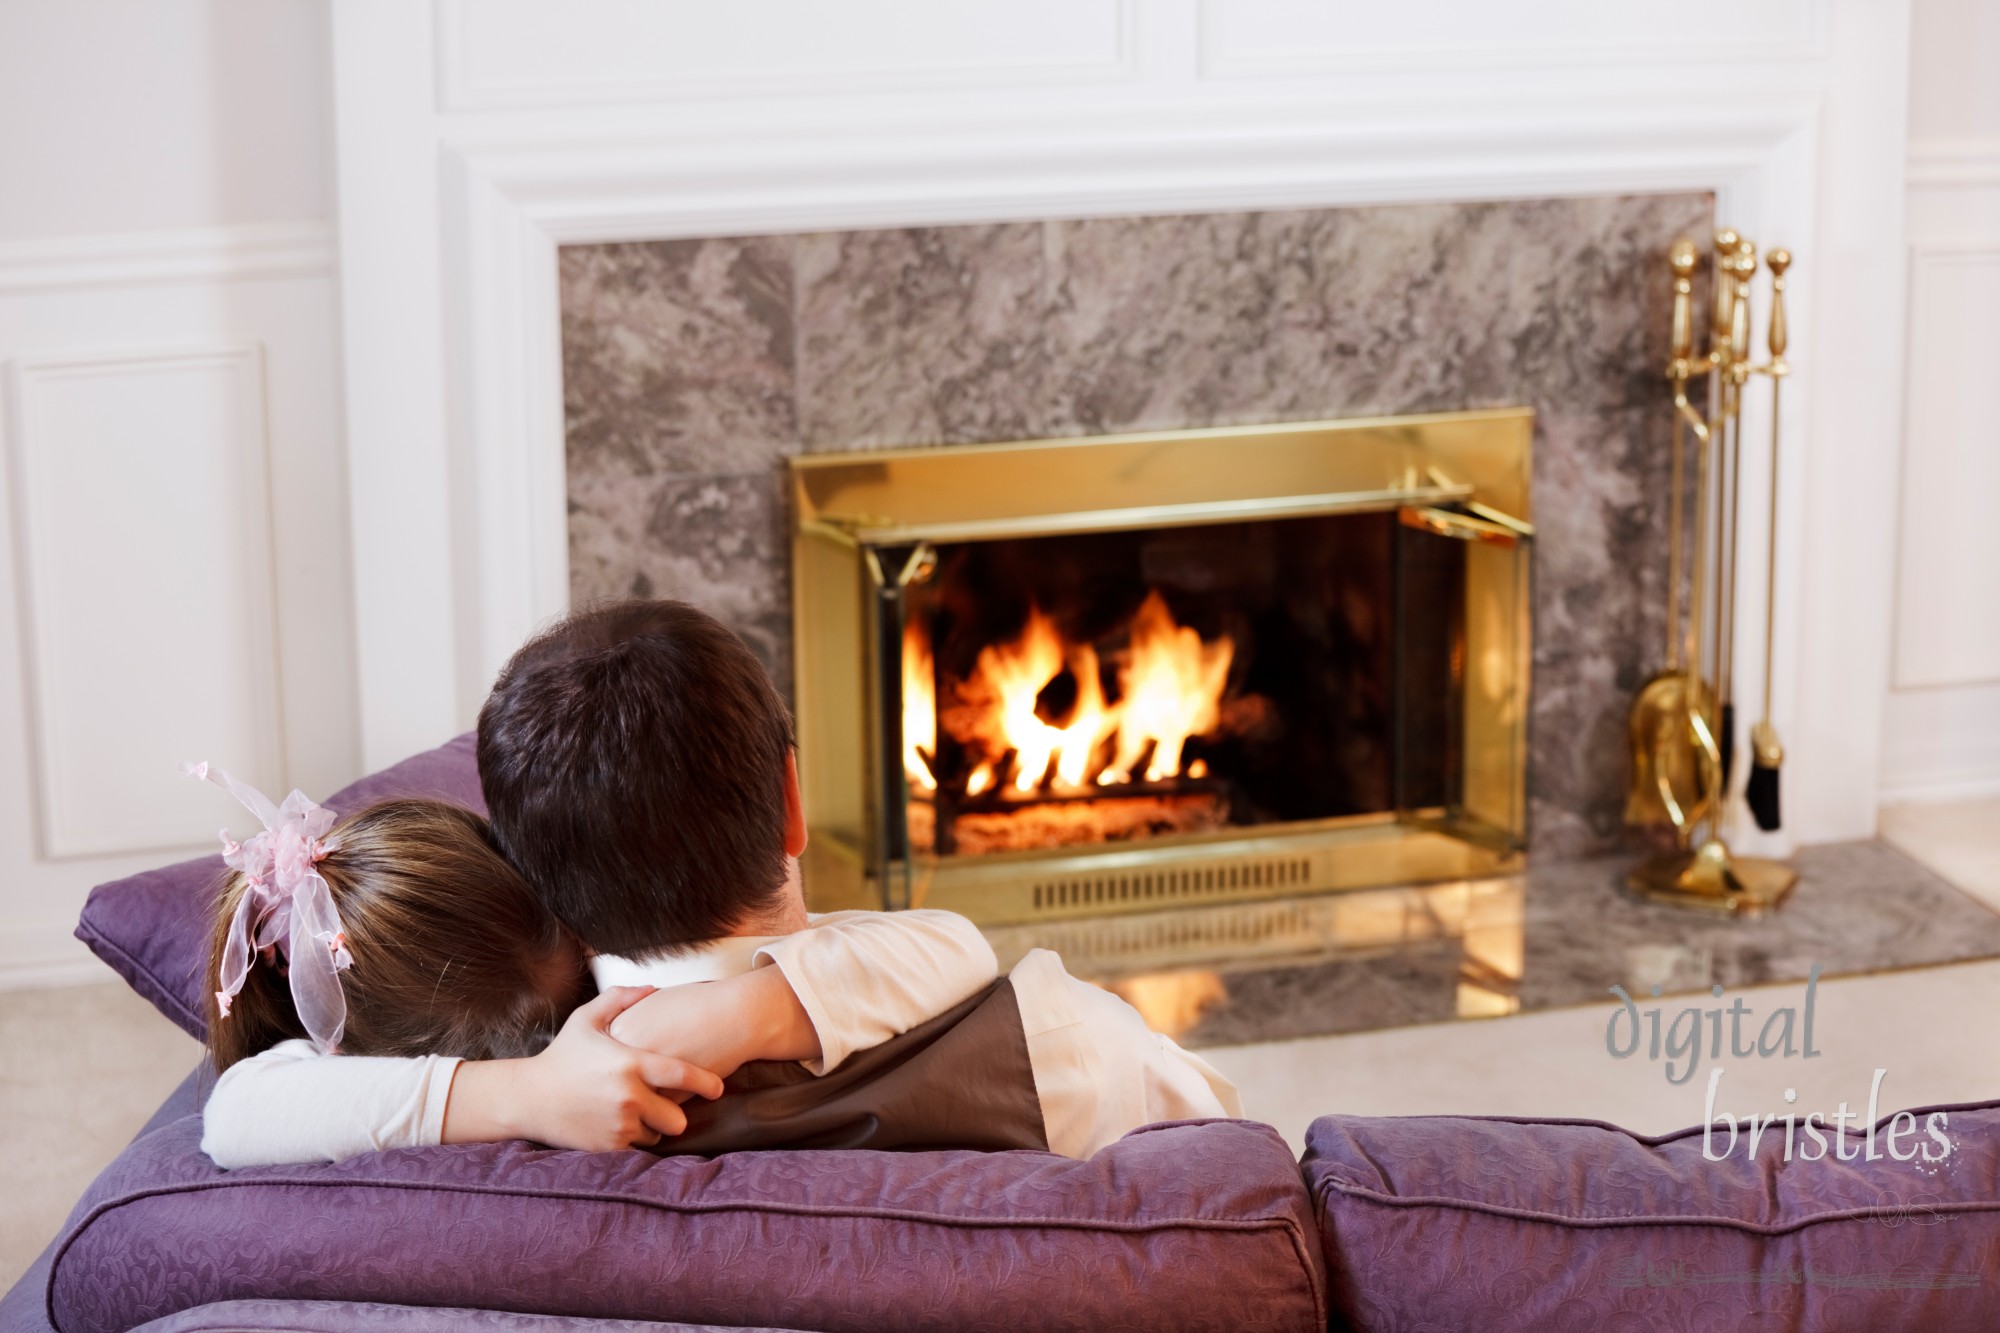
pixel 1683 722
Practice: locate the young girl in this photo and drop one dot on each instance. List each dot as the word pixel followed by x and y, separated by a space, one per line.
pixel 402 932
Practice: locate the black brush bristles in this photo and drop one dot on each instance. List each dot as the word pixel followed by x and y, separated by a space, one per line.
pixel 1725 742
pixel 1761 794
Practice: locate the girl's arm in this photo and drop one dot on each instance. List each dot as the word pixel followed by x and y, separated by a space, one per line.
pixel 849 981
pixel 585 1091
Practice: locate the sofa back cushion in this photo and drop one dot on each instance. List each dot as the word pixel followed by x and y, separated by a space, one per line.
pixel 153 928
pixel 373 1317
pixel 1190 1225
pixel 1500 1224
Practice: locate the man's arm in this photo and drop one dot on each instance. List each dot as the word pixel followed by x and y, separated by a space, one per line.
pixel 584 1091
pixel 849 981
pixel 1100 1072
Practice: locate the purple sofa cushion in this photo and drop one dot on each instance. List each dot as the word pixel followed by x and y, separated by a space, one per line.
pixel 1441 1223
pixel 153 928
pixel 1189 1225
pixel 373 1317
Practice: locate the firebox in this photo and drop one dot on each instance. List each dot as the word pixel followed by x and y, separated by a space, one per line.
pixel 1062 678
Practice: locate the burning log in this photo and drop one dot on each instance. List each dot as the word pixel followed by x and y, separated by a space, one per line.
pixel 1073 823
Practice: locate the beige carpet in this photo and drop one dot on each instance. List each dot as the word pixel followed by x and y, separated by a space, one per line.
pixel 80 1070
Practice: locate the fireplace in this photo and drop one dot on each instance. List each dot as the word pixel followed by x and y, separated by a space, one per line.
pixel 1063 678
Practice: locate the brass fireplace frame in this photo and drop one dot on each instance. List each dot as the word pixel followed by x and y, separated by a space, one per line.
pixel 863 523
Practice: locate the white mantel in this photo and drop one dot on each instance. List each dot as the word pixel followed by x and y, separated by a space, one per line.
pixel 474 137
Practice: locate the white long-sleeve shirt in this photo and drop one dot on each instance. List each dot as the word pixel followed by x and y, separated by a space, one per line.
pixel 862 977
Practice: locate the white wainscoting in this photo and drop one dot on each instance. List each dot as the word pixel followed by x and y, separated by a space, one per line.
pixel 1368 37
pixel 143 502
pixel 514 53
pixel 452 330
pixel 1942 724
pixel 175 584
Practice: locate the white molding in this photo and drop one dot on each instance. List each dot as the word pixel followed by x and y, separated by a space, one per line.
pixel 1702 44
pixel 46 955
pixel 509 206
pixel 458 398
pixel 1970 784
pixel 206 254
pixel 1943 164
pixel 57 837
pixel 457 90
pixel 1926 258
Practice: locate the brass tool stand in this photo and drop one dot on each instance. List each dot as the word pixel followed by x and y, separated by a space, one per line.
pixel 1679 777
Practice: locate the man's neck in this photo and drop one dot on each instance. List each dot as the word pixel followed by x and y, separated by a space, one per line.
pixel 786 916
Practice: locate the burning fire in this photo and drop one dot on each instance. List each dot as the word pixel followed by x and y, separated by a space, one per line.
pixel 919 707
pixel 1170 690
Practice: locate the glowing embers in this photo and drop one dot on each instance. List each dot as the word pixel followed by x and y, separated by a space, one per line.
pixel 1052 756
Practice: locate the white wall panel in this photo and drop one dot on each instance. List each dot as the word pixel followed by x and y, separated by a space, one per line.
pixel 169 381
pixel 1941 724
pixel 1942 744
pixel 1948 610
pixel 144 381
pixel 1249 37
pixel 120 116
pixel 143 506
pixel 525 52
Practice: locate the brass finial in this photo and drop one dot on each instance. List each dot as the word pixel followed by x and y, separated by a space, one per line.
pixel 1778 261
pixel 1683 258
pixel 1724 304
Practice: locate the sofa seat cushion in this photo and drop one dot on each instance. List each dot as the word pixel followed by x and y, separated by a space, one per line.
pixel 152 929
pixel 1189 1225
pixel 1437 1222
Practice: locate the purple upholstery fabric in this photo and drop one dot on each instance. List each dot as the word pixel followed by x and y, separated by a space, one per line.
pixel 1191 1225
pixel 344 1317
pixel 24 1309
pixel 153 928
pixel 1439 1223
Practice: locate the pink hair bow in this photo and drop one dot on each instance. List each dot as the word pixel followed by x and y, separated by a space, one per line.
pixel 286 907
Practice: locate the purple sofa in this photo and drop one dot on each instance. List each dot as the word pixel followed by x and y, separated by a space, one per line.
pixel 1419 1224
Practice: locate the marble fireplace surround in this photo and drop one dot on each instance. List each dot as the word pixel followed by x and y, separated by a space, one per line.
pixel 692 368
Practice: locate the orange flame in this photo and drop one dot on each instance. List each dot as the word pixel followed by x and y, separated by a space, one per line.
pixel 919 707
pixel 1171 687
pixel 1172 690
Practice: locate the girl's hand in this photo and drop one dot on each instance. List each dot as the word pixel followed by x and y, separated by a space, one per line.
pixel 585 1091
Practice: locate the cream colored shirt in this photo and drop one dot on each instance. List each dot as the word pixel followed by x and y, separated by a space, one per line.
pixel 862 978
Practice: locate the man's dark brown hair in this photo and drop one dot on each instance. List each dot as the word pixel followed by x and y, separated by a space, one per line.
pixel 633 760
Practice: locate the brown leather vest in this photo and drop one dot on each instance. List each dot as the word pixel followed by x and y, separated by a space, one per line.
pixel 961 1080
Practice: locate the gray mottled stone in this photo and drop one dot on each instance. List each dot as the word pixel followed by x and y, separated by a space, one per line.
pixel 677 357
pixel 932 335
pixel 720 542
pixel 1599 615
pixel 1592 300
pixel 693 359
pixel 1859 907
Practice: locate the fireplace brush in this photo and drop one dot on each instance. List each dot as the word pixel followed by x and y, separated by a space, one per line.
pixel 1682 722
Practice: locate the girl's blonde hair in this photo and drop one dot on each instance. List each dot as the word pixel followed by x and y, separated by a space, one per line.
pixel 453 953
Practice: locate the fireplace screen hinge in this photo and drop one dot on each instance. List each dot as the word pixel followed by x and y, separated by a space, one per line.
pixel 1481 523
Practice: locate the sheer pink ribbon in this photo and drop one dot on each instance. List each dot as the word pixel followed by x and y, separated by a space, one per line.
pixel 286 907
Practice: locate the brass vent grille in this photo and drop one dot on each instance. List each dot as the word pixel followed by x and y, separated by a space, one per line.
pixel 1113 889
pixel 1225 933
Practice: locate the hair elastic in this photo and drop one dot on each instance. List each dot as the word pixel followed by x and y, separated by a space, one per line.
pixel 286 907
